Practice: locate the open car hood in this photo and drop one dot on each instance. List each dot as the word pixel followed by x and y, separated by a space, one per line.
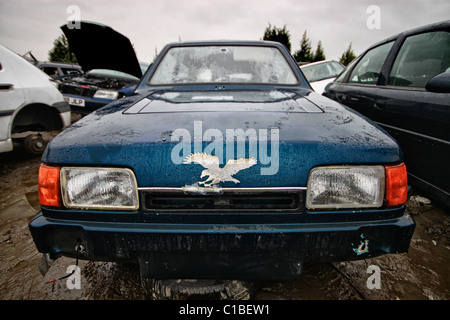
pixel 99 46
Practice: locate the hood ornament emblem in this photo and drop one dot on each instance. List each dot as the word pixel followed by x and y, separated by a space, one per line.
pixel 215 173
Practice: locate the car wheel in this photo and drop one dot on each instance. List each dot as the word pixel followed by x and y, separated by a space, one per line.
pixel 189 289
pixel 34 144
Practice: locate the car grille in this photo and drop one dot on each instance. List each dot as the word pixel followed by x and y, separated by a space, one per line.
pixel 246 200
pixel 77 90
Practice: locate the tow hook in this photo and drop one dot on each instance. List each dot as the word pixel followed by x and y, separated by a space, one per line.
pixel 80 249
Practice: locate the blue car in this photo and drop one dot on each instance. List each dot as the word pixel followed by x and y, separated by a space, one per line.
pixel 224 164
pixel 111 68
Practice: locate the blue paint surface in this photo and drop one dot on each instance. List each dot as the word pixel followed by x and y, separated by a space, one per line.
pixel 143 141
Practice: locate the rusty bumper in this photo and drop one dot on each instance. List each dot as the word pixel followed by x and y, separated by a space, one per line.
pixel 270 251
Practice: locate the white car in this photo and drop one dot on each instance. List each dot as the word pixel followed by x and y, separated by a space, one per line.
pixel 30 104
pixel 320 73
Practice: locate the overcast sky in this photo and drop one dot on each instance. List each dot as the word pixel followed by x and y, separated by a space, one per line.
pixel 34 24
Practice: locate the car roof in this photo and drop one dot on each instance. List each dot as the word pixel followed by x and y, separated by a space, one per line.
pixel 226 42
pixel 57 64
pixel 443 25
pixel 318 62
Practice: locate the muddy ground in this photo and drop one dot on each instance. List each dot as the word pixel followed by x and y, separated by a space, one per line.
pixel 422 273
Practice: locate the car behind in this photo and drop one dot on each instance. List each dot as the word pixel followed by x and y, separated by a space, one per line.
pixel 110 64
pixel 403 84
pixel 57 69
pixel 30 104
pixel 321 73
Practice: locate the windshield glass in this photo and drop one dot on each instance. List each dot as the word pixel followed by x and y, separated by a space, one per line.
pixel 322 71
pixel 144 66
pixel 111 74
pixel 224 64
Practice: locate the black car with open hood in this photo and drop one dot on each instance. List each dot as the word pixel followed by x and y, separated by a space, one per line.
pixel 109 61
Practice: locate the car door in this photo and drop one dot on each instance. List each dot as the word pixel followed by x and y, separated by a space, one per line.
pixel 11 97
pixel 360 90
pixel 418 119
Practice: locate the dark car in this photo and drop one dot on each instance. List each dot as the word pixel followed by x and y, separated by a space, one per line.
pixel 403 84
pixel 57 69
pixel 110 64
pixel 224 164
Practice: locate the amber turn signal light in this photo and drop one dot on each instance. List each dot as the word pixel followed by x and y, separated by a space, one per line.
pixel 396 185
pixel 49 187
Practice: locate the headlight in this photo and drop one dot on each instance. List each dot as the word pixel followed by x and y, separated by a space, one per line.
pixel 99 188
pixel 106 94
pixel 340 187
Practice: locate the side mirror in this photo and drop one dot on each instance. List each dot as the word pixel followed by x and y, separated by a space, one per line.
pixel 439 84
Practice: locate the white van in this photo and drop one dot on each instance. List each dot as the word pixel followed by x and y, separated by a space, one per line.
pixel 29 104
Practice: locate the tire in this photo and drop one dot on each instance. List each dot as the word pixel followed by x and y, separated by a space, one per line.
pixel 34 144
pixel 190 289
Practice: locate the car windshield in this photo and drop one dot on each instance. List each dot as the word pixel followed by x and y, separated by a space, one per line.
pixel 223 64
pixel 144 66
pixel 111 73
pixel 68 71
pixel 317 72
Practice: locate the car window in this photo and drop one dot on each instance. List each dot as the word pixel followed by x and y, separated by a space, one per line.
pixel 225 64
pixel 347 69
pixel 322 71
pixel 420 58
pixel 337 68
pixel 368 68
pixel 70 71
pixel 51 71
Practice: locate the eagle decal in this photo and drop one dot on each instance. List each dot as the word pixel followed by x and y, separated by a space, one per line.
pixel 215 173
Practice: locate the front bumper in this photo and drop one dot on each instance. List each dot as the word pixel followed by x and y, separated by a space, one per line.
pixel 90 104
pixel 269 251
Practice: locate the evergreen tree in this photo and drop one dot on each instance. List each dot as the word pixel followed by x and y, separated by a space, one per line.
pixel 280 35
pixel 60 51
pixel 348 56
pixel 304 54
pixel 319 54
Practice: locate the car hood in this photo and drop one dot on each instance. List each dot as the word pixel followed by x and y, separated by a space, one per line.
pixel 143 133
pixel 319 86
pixel 99 46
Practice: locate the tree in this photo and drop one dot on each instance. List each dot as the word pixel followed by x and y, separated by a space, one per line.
pixel 319 54
pixel 348 56
pixel 280 35
pixel 304 54
pixel 60 51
